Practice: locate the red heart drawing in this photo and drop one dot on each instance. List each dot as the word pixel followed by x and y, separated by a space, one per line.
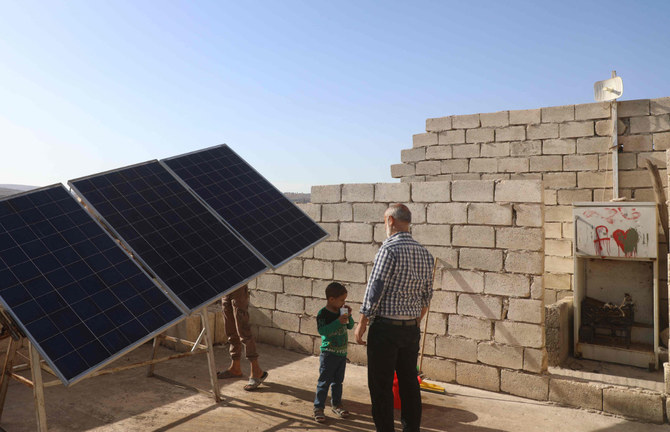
pixel 628 244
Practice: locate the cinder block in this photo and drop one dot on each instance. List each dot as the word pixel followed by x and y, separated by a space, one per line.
pixel 263 299
pixel 350 272
pixel 534 360
pixel 480 135
pixel 332 229
pixel 465 121
pixel 369 212
pixel 465 151
pixel 557 281
pixel 392 192
pixel 356 292
pixel 526 148
pixel 558 247
pixel 647 124
pixel 358 192
pixel 596 110
pixel 431 192
pixel 424 139
pixel 500 355
pixel 524 385
pixel 500 118
pixel 631 108
pixel 480 259
pixel 286 321
pixel 437 324
pixel 269 282
pixel 451 137
pixel 529 116
pixel 594 180
pixel 519 191
pixel 639 179
pixel 560 180
pixel 271 336
pixel 297 286
pixel 411 155
pixel 455 166
pixel 289 303
pixel 446 255
pixel 432 167
pixel 513 285
pixel 524 310
pixel 480 306
pixel 483 165
pixel 311 210
pixel 318 269
pixel 519 238
pixel 567 197
pixel 356 232
pixel 576 129
pixel 456 348
pixel 418 211
pixel 439 369
pixel 461 281
pixel 634 403
pixel 489 214
pixel 661 141
pixel 332 251
pixel 438 152
pixel 312 308
pixel 604 128
pixel 528 215
pixel 299 342
pixel 473 236
pixel 574 393
pixel 593 145
pixel 336 212
pixel 494 149
pixel 469 327
pixel 636 143
pixel 443 302
pixel 525 262
pixel 558 264
pixel 447 213
pixel 546 163
pixel 291 268
pixel 438 124
pixel 511 133
pixel 466 176
pixel 559 146
pixel 580 162
pixel 513 165
pixel 437 235
pixel 361 252
pixel 520 334
pixel 550 197
pixel 479 376
pixel 558 114
pixel 472 190
pixel 326 194
pixel 659 106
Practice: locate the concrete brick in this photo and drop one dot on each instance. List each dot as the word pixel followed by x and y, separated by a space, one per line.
pixel 326 194
pixel 350 272
pixel 639 178
pixel 519 238
pixel 392 192
pixel 659 106
pixel 525 148
pixel 456 348
pixel 431 192
pixel 557 281
pixel 369 212
pixel 461 281
pixel 289 303
pixel 558 247
pixel 291 268
pixel 594 180
pixel 451 137
pixel 466 176
pixel 658 123
pixel 356 293
pixel 634 403
pixel 559 146
pixel 483 165
pixel 576 129
pixel 560 180
pixel 473 236
pixel 636 143
pixel 336 212
pixel 356 232
pixel 286 321
pixel 580 162
pixel 465 121
pixel 424 139
pixel 333 251
pixel 472 190
pixel 439 369
pixel 631 108
pixel 428 167
pixel 513 285
pixel 437 324
pixel 500 118
pixel 411 155
pixel 358 192
pixel 558 114
pixel 455 166
pixel 361 252
pixel 332 228
pixel 297 286
pixel 567 197
pixel 530 116
pixel 661 141
pixel 542 131
pixel 438 124
pixel 546 163
pixel 604 128
pixel 520 334
pixel 480 306
pixel 627 161
pixel 465 151
pixel 418 211
pixel 519 191
pixel 534 360
pixel 495 176
pixel 596 110
pixel 528 215
pixel 437 235
pixel 270 283
pixel 262 299
pixel 480 259
pixel 558 264
pixel 479 376
pixel 443 302
pixel 530 311
pixel 311 210
pixel 524 385
pixel 511 133
pixel 318 269
pixel 550 197
pixel 513 165
pixel 379 233
pixel 525 262
pixel 271 336
pixel 480 135
pixel 574 393
pixel 447 255
pixel 593 145
pixel 412 178
pixel 525 176
pixel 500 355
pixel 447 213
pixel 439 152
pixel 299 342
pixel 469 327
pixel 489 214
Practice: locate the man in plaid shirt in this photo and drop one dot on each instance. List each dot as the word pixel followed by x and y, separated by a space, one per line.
pixel 396 299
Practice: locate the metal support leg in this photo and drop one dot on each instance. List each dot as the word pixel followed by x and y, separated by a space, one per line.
pixel 210 356
pixel 6 371
pixel 38 389
pixel 150 368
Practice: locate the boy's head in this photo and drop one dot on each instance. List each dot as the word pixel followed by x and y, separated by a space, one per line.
pixel 336 294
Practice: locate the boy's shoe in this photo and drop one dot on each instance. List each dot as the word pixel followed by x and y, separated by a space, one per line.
pixel 319 416
pixel 340 411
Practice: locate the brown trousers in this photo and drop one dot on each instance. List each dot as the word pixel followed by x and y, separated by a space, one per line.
pixel 236 323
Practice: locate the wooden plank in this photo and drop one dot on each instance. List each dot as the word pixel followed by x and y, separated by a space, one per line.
pixel 38 389
pixel 211 364
pixel 6 371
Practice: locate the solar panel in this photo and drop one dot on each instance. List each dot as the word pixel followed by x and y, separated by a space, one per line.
pixel 251 205
pixel 78 297
pixel 195 256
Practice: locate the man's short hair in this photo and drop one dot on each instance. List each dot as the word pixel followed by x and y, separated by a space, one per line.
pixel 399 212
pixel 335 289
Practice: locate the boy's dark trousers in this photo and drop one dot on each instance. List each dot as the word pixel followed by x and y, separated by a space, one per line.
pixel 331 375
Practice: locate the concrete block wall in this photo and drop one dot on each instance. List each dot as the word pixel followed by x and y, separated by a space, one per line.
pixel 487 314
pixel 565 146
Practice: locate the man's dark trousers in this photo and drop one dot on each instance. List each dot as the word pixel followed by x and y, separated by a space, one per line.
pixel 394 348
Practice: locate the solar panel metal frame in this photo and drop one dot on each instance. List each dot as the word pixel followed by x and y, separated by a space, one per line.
pixel 237 233
pixel 68 382
pixel 173 296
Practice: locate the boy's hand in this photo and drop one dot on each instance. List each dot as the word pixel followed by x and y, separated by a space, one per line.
pixel 348 307
pixel 344 319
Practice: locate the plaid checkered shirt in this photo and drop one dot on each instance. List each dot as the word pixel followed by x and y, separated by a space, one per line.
pixel 401 282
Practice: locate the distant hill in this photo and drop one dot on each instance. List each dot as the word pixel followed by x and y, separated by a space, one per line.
pixel 298 197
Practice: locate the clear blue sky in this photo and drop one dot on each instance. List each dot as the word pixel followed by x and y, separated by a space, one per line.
pixel 309 92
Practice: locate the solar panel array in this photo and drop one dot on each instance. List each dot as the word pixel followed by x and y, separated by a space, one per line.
pixel 251 205
pixel 80 299
pixel 196 256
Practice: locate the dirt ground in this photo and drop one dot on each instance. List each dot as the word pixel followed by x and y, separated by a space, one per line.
pixel 179 399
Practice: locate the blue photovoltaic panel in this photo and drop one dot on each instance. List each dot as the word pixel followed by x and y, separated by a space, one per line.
pixel 79 298
pixel 250 204
pixel 195 255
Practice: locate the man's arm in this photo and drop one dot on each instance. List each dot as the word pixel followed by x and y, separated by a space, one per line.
pixel 360 329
